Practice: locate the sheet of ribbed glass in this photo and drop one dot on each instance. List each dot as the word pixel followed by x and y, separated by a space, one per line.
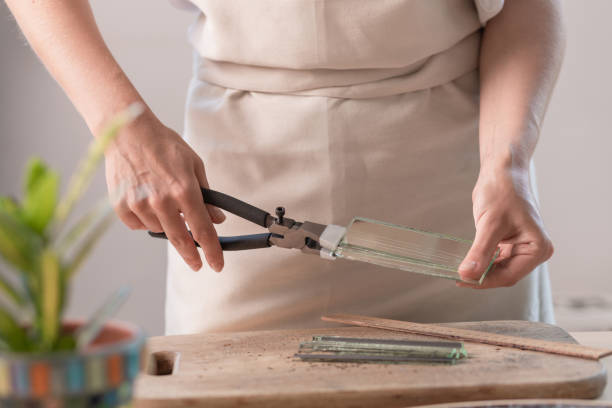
pixel 404 248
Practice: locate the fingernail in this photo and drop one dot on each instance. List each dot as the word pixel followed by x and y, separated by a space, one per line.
pixel 196 266
pixel 217 266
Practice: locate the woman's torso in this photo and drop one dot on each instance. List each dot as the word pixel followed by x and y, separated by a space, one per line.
pixel 335 109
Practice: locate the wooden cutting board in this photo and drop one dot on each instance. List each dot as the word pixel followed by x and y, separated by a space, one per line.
pixel 257 369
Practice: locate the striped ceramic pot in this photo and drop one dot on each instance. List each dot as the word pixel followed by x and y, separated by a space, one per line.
pixel 100 376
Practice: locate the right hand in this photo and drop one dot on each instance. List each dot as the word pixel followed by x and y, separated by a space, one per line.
pixel 507 218
pixel 160 178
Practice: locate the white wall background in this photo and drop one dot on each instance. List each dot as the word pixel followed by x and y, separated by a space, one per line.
pixel 148 39
pixel 575 170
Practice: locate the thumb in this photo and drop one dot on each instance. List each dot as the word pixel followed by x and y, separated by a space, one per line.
pixel 216 215
pixel 489 233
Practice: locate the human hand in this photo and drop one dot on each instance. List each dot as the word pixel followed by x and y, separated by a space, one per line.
pixel 160 178
pixel 507 218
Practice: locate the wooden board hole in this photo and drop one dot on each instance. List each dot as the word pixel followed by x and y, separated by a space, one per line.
pixel 163 363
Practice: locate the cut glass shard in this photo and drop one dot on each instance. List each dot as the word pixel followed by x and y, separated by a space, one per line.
pixel 405 248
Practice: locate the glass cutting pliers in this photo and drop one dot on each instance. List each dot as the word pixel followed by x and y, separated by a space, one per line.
pixel 284 232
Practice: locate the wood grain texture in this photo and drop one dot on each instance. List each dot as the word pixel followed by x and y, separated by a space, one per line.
pixel 257 369
pixel 598 339
pixel 525 403
pixel 453 333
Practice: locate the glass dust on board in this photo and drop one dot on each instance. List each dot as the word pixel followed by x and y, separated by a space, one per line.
pixel 405 248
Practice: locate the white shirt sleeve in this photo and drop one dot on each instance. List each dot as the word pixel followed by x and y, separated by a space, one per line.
pixel 487 9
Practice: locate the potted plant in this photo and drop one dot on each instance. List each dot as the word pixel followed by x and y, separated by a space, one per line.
pixel 44 360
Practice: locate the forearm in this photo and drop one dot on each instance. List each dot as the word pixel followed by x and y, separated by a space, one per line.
pixel 521 53
pixel 64 35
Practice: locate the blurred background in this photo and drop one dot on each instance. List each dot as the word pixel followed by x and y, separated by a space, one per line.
pixel 149 40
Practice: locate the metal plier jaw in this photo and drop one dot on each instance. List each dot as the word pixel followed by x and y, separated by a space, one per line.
pixel 305 236
pixel 309 237
pixel 288 233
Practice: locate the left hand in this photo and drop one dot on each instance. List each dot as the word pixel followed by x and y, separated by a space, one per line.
pixel 507 218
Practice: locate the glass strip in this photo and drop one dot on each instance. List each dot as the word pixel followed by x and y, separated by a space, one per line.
pixel 405 248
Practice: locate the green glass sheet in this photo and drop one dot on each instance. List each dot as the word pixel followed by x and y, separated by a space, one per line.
pixel 405 248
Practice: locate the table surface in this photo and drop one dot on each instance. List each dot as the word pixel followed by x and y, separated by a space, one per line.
pixel 601 339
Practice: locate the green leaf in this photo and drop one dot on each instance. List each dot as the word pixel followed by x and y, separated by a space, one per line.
pixel 40 195
pixel 82 225
pixel 19 245
pixel 10 207
pixel 11 333
pixel 10 292
pixel 90 330
pixel 35 169
pixel 50 299
pixel 86 245
pixel 66 342
pixel 81 179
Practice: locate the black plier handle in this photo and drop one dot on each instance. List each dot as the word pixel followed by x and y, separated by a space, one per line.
pixel 243 210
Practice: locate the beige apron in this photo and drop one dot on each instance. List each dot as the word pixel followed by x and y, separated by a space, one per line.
pixel 333 109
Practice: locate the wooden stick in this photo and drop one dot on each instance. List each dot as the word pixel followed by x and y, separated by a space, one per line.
pixel 545 346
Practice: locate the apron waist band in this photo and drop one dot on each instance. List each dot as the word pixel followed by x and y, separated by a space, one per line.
pixel 430 72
